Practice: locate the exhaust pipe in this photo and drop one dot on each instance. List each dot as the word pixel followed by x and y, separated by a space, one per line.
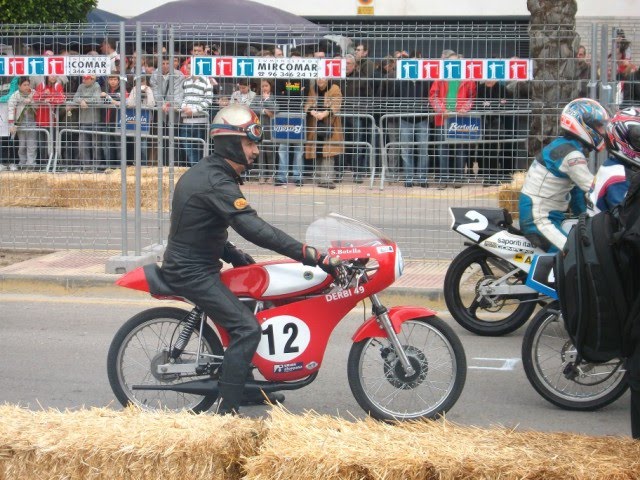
pixel 209 386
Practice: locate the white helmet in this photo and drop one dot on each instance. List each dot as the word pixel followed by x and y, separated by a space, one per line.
pixel 586 120
pixel 237 120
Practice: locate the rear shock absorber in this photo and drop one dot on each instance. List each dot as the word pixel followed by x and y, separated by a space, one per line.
pixel 190 322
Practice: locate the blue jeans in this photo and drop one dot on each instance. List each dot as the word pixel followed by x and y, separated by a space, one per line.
pixel 283 161
pixel 193 150
pixel 452 159
pixel 414 168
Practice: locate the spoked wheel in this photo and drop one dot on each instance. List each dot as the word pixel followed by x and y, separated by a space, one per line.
pixel 481 313
pixel 142 344
pixel 548 357
pixel 381 386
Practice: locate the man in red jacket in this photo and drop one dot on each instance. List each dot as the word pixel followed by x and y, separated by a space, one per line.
pixel 448 98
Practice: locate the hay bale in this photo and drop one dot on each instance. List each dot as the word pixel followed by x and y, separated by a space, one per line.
pixel 314 446
pixel 508 194
pixel 81 190
pixel 130 444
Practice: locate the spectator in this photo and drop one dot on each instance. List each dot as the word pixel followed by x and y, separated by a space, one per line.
pixel 392 125
pixel 583 70
pixel 197 98
pixel 265 106
pixel 410 98
pixel 110 116
pixel 7 155
pixel 629 77
pixel 365 66
pixel 166 84
pixel 49 94
pixel 243 95
pixel 147 102
pixel 358 92
pixel 198 48
pixel 449 98
pixel 491 99
pixel 322 106
pixel 108 48
pixel 289 97
pixel 87 99
pixel 22 120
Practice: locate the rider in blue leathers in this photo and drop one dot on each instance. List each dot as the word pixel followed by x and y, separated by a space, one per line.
pixel 559 177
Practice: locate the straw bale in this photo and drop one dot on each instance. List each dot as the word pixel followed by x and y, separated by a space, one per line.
pixel 81 190
pixel 314 446
pixel 508 194
pixel 130 444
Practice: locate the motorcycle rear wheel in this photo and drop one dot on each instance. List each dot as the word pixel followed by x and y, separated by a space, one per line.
pixel 141 340
pixel 380 386
pixel 546 351
pixel 487 316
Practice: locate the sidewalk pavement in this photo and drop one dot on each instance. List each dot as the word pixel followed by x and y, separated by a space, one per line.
pixel 74 269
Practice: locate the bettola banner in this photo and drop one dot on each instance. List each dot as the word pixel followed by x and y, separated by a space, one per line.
pixel 55 65
pixel 514 69
pixel 268 67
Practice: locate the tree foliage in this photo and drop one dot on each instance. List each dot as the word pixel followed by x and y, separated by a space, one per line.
pixel 45 11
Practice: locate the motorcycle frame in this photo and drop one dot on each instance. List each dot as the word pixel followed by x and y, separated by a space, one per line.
pixel 308 317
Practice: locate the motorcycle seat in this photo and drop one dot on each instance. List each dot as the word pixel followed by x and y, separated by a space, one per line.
pixel 157 284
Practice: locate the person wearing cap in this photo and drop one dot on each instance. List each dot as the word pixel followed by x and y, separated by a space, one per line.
pixel 206 202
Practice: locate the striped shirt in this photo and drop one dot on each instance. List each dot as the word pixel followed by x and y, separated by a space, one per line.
pixel 198 95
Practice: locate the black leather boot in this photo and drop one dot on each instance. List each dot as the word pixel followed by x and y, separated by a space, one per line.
pixel 256 397
pixel 229 398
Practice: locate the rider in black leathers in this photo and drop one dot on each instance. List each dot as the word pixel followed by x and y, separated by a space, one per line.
pixel 207 201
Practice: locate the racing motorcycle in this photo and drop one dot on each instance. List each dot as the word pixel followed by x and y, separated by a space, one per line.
pixel 484 287
pixel 551 362
pixel 404 363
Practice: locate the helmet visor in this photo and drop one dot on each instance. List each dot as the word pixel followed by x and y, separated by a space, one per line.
pixel 253 131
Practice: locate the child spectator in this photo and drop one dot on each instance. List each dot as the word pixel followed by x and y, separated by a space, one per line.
pixel 148 102
pixel 49 94
pixel 22 121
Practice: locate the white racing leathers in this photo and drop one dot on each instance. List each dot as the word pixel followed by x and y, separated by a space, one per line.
pixel 556 180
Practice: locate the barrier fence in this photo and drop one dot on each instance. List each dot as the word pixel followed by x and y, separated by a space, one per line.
pixel 379 150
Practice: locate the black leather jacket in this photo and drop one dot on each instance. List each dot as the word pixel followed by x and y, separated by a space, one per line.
pixel 207 201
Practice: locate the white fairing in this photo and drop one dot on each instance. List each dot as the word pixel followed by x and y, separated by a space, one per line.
pixel 288 278
pixel 515 249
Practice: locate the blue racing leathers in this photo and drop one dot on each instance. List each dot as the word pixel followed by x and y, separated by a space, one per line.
pixel 557 180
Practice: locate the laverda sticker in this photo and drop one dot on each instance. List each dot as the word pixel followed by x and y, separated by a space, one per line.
pixel 385 249
pixel 287 367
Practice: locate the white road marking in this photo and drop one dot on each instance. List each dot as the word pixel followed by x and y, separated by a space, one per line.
pixel 503 364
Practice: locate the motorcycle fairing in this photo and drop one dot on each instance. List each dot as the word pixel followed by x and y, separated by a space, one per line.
pixel 477 224
pixel 541 275
pixel 515 249
pixel 398 316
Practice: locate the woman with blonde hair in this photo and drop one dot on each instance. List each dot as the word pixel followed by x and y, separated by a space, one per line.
pixel 323 105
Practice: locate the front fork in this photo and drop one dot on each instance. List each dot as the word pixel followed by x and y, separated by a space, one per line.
pixel 381 313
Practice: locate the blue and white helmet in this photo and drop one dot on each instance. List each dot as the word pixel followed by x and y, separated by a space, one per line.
pixel 586 120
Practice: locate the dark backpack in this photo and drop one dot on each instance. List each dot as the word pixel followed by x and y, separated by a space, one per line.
pixel 596 280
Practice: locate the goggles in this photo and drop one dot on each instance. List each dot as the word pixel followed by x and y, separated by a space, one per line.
pixel 253 131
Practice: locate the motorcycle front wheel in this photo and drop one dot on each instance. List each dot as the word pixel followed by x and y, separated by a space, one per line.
pixel 143 343
pixel 547 353
pixel 379 382
pixel 490 315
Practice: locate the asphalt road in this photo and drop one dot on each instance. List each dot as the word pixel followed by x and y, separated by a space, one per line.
pixel 54 352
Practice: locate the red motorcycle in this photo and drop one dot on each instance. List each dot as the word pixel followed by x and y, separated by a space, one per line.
pixel 405 362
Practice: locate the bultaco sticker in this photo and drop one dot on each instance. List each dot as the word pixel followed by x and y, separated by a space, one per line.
pixel 240 203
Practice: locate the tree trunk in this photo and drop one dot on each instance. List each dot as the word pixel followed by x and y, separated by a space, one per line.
pixel 553 43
